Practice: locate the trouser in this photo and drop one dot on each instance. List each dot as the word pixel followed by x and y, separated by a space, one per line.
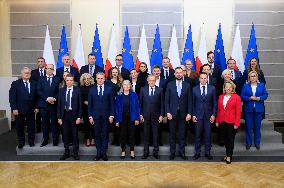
pixel 127 132
pixel 101 135
pixel 178 122
pixel 87 127
pixel 199 126
pixel 23 120
pixel 253 122
pixel 70 131
pixel 151 127
pixel 49 122
pixel 228 134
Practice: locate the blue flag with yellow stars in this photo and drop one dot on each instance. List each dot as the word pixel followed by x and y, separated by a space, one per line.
pixel 252 48
pixel 188 53
pixel 128 62
pixel 156 56
pixel 63 48
pixel 97 50
pixel 219 53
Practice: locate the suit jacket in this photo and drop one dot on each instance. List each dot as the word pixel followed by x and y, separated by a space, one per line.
pixel 153 105
pixel 20 99
pixel 124 73
pixel 76 103
pixel 238 81
pixel 212 81
pixel 134 107
pixel 35 74
pixel 217 71
pixel 86 69
pixel 73 71
pixel 232 112
pixel 95 101
pixel 204 107
pixel 44 90
pixel 173 102
pixel 247 93
pixel 171 74
pixel 261 77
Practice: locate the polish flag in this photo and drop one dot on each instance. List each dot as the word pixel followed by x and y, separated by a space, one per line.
pixel 143 55
pixel 47 51
pixel 201 57
pixel 237 51
pixel 173 50
pixel 79 57
pixel 112 52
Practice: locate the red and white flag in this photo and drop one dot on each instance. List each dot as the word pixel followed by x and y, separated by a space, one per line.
pixel 143 55
pixel 237 51
pixel 173 53
pixel 47 51
pixel 201 57
pixel 79 57
pixel 112 52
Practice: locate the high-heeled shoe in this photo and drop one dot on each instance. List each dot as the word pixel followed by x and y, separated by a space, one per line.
pixel 122 155
pixel 228 160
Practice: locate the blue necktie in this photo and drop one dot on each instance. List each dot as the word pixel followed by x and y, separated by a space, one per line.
pixel 152 91
pixel 49 81
pixel 41 73
pixel 203 91
pixel 101 91
pixel 27 86
pixel 179 90
pixel 68 102
pixel 91 69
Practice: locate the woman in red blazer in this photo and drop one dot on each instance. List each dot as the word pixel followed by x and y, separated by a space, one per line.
pixel 228 117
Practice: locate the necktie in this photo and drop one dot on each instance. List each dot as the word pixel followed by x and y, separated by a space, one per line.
pixel 203 91
pixel 101 91
pixel 41 73
pixel 179 89
pixel 68 102
pixel 152 91
pixel 67 69
pixel 167 74
pixel 49 81
pixel 27 86
pixel 91 69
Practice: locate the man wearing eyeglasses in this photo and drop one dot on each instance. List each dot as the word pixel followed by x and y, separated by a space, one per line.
pixel 47 89
pixel 91 68
pixel 123 71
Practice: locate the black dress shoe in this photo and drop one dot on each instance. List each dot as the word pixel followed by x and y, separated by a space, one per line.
pixel 183 156
pixel 76 157
pixel 105 158
pixel 97 158
pixel 172 157
pixel 248 147
pixel 44 143
pixel 32 144
pixel 55 142
pixel 196 156
pixel 20 146
pixel 145 156
pixel 257 146
pixel 224 159
pixel 132 157
pixel 208 156
pixel 156 156
pixel 64 156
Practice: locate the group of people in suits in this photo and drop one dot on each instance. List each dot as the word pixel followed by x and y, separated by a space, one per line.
pixel 127 99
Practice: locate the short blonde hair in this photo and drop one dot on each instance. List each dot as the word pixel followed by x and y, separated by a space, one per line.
pixel 125 82
pixel 84 76
pixel 232 84
pixel 252 72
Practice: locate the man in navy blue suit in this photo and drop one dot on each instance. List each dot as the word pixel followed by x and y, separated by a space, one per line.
pixel 47 89
pixel 236 74
pixel 216 69
pixel 204 113
pixel 69 114
pixel 22 98
pixel 123 71
pixel 152 112
pixel 91 68
pixel 178 107
pixel 160 81
pixel 101 111
pixel 67 67
pixel 166 71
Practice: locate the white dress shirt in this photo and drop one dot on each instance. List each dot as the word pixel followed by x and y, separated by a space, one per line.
pixel 225 100
pixel 179 83
pixel 102 89
pixel 201 89
pixel 150 90
pixel 29 84
pixel 158 82
pixel 69 69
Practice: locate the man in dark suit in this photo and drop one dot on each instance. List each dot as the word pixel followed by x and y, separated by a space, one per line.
pixel 101 111
pixel 69 113
pixel 166 71
pixel 206 68
pixel 91 68
pixel 216 69
pixel 160 81
pixel 204 113
pixel 236 75
pixel 22 98
pixel 118 64
pixel 67 67
pixel 47 89
pixel 178 107
pixel 36 74
pixel 152 112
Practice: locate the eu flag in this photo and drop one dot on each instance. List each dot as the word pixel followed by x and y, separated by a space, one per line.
pixel 97 50
pixel 219 53
pixel 188 53
pixel 63 48
pixel 156 56
pixel 128 62
pixel 252 48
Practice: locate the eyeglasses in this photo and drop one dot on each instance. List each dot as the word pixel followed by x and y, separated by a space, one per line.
pixel 50 68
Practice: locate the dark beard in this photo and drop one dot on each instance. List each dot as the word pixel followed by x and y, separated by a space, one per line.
pixel 179 78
